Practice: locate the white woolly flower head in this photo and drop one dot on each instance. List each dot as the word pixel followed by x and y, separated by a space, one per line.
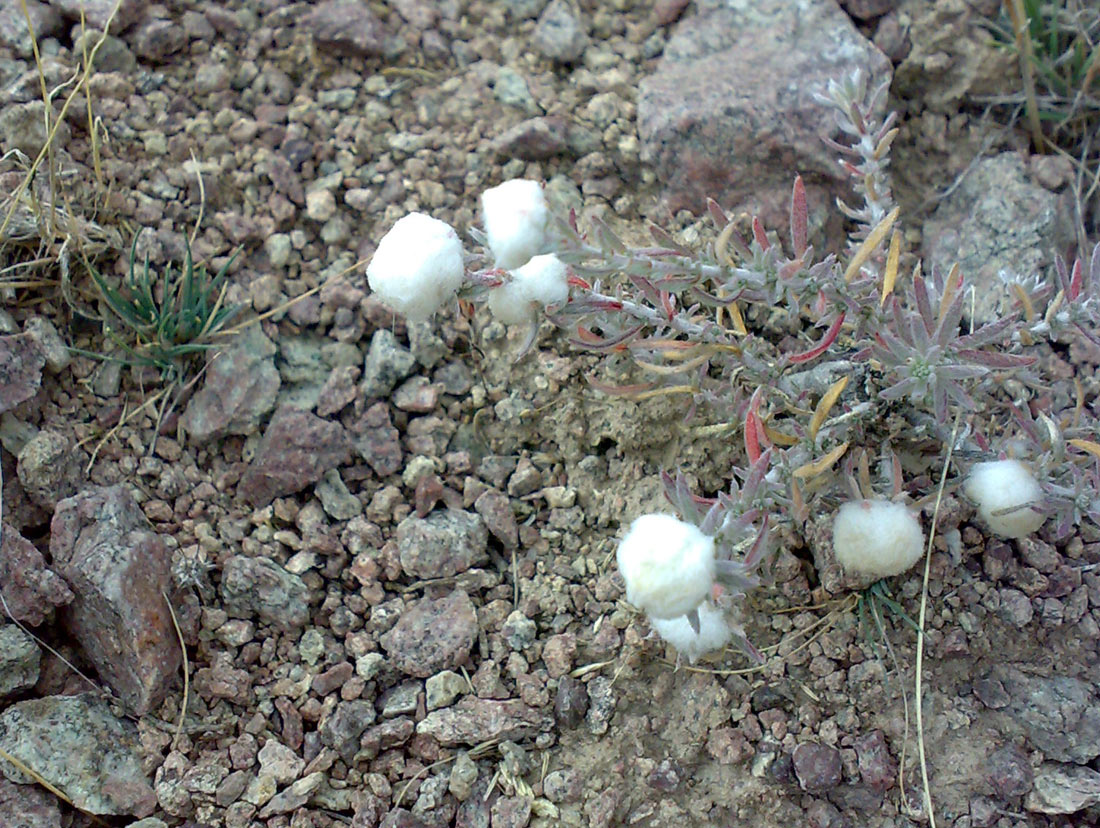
pixel 714 632
pixel 877 537
pixel 668 565
pixel 543 280
pixel 1004 491
pixel 417 266
pixel 515 216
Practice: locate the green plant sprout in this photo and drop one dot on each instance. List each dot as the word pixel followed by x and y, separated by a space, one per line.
pixel 1058 43
pixel 172 318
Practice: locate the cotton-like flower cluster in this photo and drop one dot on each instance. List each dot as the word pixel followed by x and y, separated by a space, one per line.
pixel 515 216
pixel 671 573
pixel 1005 492
pixel 540 282
pixel 877 538
pixel 418 266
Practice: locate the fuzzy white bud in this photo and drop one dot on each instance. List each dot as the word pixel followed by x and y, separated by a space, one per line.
pixel 541 281
pixel 714 632
pixel 515 215
pixel 1005 484
pixel 417 266
pixel 877 537
pixel 668 565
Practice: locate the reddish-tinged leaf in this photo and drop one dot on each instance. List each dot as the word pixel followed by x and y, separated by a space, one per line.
pixel 752 436
pixel 667 304
pixel 717 214
pixel 820 303
pixel 759 547
pixel 924 303
pixel 789 269
pixel 1076 280
pixel 573 220
pixel 799 217
pixel 661 236
pixel 710 300
pixel 576 281
pixel 619 390
pixel 986 334
pixel 992 359
pixel 852 168
pixel 759 235
pixel 828 339
pixel 753 428
pixel 647 288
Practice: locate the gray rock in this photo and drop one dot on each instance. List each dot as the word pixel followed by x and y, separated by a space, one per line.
pixel 442 689
pixel 560 34
pixel 1060 715
pixel 98 13
pixel 339 390
pixel 30 590
pixel 462 777
pixel 519 631
pixel 119 569
pixel 347 27
pixel 1009 772
pixel 78 744
pixel 426 345
pixel 511 811
pixel 475 720
pixel 24 128
pixel 1063 789
pixel 280 762
pixel 570 703
pixel 601 705
pixel 296 450
pixel 13 25
pixel 1015 608
pixel 337 501
pixel 341 729
pixel 817 767
pixel 432 635
pixel 386 365
pixel 524 9
pixel 293 798
pixel 566 785
pixel 21 363
pixel 535 139
pixel 50 468
pixel 868 9
pixel 997 222
pixel 15 433
pixel 19 659
pixel 496 510
pixel 400 700
pixel 444 543
pixel 28 806
pixel 157 40
pixel 729 113
pixel 113 54
pixel 239 389
pixel 43 331
pixel 420 14
pixel 260 587
pixel 877 768
pixel 511 89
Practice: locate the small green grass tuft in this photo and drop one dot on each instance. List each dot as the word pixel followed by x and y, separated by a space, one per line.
pixel 172 317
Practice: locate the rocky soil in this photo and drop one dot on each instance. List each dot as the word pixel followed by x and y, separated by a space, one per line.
pixel 387 548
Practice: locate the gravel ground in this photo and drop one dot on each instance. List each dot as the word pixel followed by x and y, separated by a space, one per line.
pixel 389 546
